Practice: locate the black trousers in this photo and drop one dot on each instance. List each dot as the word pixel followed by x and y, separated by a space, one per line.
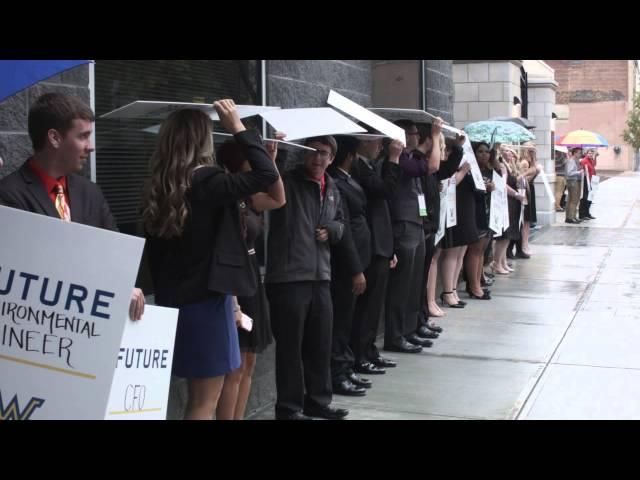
pixel 369 309
pixel 405 283
pixel 585 205
pixel 430 251
pixel 301 320
pixel 344 303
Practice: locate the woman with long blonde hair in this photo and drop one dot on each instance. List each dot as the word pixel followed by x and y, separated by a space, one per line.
pixel 508 166
pixel 197 253
pixel 529 169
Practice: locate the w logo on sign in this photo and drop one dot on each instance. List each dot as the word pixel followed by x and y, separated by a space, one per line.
pixel 12 410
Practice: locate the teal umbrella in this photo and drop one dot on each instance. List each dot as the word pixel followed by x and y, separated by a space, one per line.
pixel 494 131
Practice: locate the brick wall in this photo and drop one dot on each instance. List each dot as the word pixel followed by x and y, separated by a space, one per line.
pixel 590 81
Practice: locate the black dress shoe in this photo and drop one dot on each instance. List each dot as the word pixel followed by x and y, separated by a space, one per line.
pixel 347 388
pixel 523 255
pixel 571 220
pixel 403 347
pixel 416 340
pixel 368 368
pixel 384 362
pixel 424 332
pixel 328 412
pixel 359 381
pixel 510 255
pixel 591 217
pixel 293 416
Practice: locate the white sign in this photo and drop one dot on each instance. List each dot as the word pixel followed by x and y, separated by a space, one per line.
pixel 155 129
pixel 366 116
pixel 416 116
pixel 452 217
pixel 140 388
pixel 496 215
pixel 161 110
pixel 547 187
pixel 470 157
pixel 505 202
pixel 65 291
pixel 443 211
pixel 595 183
pixel 300 123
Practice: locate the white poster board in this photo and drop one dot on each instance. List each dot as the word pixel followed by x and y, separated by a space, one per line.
pixel 140 387
pixel 65 291
pixel 505 201
pixel 452 217
pixel 414 115
pixel 595 184
pixel 470 157
pixel 443 211
pixel 155 129
pixel 383 125
pixel 547 187
pixel 496 215
pixel 158 110
pixel 299 123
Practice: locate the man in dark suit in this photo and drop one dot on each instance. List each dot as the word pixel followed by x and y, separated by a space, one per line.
pixel 349 258
pixel 48 183
pixel 378 179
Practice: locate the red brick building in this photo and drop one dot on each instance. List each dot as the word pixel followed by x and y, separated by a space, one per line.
pixel 597 95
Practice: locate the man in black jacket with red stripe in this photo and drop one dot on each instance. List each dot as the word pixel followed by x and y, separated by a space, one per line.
pixel 298 278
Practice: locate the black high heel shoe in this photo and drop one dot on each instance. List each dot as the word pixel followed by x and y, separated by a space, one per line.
pixel 486 283
pixel 460 302
pixel 471 294
pixel 486 296
pixel 455 305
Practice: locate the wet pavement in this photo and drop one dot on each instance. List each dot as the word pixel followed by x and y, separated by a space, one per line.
pixel 559 339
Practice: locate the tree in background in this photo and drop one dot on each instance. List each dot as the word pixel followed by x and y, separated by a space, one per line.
pixel 631 134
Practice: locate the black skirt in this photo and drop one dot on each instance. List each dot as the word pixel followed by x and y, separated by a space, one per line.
pixel 465 232
pixel 530 214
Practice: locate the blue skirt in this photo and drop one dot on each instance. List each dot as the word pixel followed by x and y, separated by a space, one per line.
pixel 206 339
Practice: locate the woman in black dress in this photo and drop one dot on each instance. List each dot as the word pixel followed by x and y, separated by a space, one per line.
pixel 450 161
pixel 237 385
pixel 458 237
pixel 474 258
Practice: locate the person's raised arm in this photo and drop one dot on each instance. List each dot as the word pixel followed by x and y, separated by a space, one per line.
pixel 274 197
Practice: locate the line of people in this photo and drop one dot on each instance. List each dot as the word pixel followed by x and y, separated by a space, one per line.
pixel 350 245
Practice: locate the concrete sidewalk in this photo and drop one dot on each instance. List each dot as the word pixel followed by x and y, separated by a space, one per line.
pixel 559 339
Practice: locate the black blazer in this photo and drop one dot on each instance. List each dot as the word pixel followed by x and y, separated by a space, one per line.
pixel 24 190
pixel 210 257
pixel 354 207
pixel 380 183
